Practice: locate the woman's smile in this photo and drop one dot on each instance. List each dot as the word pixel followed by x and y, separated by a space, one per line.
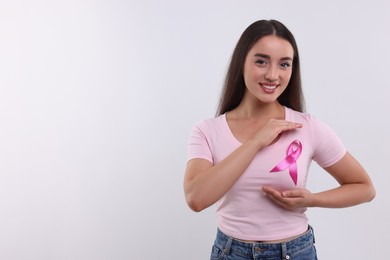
pixel 268 88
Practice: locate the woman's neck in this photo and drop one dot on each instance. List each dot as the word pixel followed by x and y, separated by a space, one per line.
pixel 256 111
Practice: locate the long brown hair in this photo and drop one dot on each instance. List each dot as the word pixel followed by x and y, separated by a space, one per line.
pixel 234 86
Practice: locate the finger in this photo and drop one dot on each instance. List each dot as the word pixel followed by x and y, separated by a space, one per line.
pixel 292 125
pixel 278 200
pixel 292 193
pixel 272 192
pixel 288 126
pixel 275 195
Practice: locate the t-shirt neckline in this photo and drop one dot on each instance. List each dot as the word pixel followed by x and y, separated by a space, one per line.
pixel 234 138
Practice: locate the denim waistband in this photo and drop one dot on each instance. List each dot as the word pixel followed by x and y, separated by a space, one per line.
pixel 285 249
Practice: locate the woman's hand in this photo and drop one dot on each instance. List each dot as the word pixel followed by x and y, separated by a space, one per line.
pixel 355 188
pixel 290 199
pixel 272 129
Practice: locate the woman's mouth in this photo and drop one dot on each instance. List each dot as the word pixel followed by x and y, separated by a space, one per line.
pixel 268 88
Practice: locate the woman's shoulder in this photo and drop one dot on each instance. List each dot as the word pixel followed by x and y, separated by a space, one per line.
pixel 310 121
pixel 300 117
pixel 211 123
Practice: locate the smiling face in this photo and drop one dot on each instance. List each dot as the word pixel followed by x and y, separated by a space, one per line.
pixel 268 69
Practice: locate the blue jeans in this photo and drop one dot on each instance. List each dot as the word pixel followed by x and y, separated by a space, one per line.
pixel 228 248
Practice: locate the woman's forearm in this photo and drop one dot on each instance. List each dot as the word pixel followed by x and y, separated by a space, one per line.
pixel 207 187
pixel 355 185
pixel 344 196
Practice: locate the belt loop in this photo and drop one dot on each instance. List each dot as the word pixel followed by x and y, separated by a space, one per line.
pixel 312 233
pixel 228 245
pixel 285 256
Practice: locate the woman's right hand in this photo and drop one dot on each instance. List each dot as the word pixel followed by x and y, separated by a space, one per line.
pixel 272 129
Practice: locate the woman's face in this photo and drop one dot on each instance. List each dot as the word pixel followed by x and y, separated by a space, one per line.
pixel 268 68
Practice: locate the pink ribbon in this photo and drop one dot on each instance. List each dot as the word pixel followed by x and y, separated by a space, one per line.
pixel 293 152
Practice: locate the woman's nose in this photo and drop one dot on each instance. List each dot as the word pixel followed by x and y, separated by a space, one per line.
pixel 272 73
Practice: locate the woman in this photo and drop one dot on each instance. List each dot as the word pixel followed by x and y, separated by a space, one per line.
pixel 252 160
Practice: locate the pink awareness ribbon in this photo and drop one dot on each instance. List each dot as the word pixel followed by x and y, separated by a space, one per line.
pixel 294 150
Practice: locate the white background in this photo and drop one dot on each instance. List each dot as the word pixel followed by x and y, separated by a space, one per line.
pixel 97 99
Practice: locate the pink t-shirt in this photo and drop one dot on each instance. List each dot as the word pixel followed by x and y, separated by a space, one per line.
pixel 244 212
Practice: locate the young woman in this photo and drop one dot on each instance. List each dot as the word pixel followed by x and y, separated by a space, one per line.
pixel 252 160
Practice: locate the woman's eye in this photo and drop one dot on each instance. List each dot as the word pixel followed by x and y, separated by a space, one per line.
pixel 285 65
pixel 261 62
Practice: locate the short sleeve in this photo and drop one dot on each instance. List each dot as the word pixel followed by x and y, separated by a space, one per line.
pixel 198 145
pixel 328 148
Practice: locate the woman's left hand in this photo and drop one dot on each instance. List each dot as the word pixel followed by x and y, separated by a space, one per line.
pixel 355 188
pixel 290 199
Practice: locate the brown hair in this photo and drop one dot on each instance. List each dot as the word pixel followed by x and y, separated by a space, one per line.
pixel 234 86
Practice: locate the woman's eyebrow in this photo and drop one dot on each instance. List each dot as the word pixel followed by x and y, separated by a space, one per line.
pixel 266 56
pixel 286 58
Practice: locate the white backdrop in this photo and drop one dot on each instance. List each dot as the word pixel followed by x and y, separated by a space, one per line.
pixel 97 99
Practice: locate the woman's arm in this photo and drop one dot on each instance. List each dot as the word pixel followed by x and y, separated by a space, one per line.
pixel 204 183
pixel 355 188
